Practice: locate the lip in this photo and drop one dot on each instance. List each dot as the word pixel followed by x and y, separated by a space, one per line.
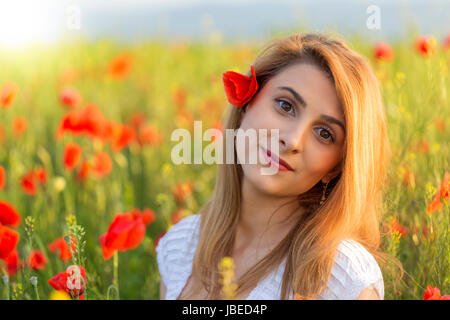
pixel 282 164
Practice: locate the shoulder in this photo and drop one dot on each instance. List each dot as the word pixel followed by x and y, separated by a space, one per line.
pixel 354 270
pixel 175 249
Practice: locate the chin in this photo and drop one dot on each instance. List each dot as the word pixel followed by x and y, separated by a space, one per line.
pixel 270 184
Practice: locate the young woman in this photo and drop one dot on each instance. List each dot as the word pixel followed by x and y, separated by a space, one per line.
pixel 311 230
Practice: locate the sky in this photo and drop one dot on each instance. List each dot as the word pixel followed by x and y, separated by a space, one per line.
pixel 47 21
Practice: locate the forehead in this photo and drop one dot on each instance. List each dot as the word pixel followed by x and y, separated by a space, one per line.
pixel 313 84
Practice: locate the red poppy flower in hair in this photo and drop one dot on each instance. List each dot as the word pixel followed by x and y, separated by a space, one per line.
pixel 239 88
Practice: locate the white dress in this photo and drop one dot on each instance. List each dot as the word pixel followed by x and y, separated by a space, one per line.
pixel 354 269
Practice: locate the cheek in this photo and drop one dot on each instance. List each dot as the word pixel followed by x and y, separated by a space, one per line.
pixel 319 159
pixel 262 115
pixel 251 124
pixel 267 184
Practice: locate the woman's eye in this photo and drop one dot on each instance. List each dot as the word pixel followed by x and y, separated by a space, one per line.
pixel 286 106
pixel 326 135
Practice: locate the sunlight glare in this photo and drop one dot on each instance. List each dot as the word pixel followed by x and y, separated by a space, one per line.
pixel 23 22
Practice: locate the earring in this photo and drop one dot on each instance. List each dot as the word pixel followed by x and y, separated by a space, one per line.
pixel 323 194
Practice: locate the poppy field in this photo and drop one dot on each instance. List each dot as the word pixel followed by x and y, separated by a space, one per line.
pixel 87 185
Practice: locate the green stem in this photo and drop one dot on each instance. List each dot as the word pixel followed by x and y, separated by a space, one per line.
pixel 116 272
pixel 37 293
pixel 7 290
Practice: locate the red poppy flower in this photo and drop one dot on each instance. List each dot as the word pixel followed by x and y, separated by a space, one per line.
pixel 149 135
pixel 60 246
pixel 182 190
pixel 70 281
pixel 120 66
pixel 434 294
pixel 101 164
pixel 83 173
pixel 239 88
pixel 8 215
pixel 37 260
pixel 425 45
pixel 88 121
pixel 179 97
pixel 423 146
pixel 383 51
pixel 28 184
pixel 122 136
pixel 40 175
pixel 70 97
pixel 138 119
pixel 395 227
pixel 8 93
pixel 2 178
pixel 107 133
pixel 72 155
pixel 8 241
pixel 19 126
pixel 13 263
pixel 125 232
pixel 439 124
pixel 147 215
pixel 31 178
pixel 442 194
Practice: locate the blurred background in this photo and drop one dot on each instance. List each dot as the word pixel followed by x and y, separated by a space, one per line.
pixel 26 21
pixel 90 92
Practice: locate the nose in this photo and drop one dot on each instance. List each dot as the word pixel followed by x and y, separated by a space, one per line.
pixel 292 139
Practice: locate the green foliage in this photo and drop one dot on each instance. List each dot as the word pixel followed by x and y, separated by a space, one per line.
pixel 416 94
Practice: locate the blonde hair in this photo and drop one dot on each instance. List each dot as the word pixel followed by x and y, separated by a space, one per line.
pixel 353 207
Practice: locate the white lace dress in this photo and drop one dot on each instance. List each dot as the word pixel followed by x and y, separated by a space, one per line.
pixel 354 269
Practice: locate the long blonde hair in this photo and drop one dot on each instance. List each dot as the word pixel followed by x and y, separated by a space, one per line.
pixel 353 207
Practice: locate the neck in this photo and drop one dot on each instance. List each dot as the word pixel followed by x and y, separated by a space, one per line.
pixel 265 216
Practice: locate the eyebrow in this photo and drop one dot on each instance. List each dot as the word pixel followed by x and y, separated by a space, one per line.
pixel 302 102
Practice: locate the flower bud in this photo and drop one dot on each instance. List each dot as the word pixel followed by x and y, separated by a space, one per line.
pixel 34 281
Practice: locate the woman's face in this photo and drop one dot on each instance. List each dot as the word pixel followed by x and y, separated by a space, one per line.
pixel 302 103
